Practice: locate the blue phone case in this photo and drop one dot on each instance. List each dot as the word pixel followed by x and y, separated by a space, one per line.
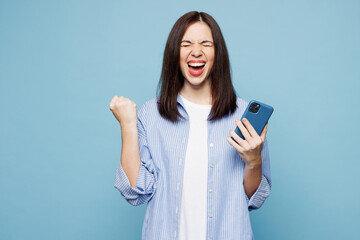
pixel 258 120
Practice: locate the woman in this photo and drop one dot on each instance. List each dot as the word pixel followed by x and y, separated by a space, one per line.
pixel 177 152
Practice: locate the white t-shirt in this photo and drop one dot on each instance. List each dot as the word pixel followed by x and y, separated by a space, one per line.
pixel 194 192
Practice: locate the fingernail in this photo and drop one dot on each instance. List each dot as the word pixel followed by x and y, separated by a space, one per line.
pixel 236 120
pixel 244 119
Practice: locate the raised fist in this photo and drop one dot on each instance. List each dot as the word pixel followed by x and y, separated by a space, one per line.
pixel 124 110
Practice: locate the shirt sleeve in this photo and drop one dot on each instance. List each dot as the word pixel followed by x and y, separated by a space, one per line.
pixel 263 191
pixel 148 174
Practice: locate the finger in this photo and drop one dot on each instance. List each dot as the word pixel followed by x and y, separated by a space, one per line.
pixel 249 127
pixel 263 133
pixel 113 100
pixel 241 142
pixel 243 130
pixel 234 144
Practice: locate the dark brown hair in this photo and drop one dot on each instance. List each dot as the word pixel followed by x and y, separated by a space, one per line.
pixel 172 80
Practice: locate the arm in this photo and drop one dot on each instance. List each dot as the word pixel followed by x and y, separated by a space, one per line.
pixel 260 182
pixel 130 154
pixel 254 152
pixel 252 178
pixel 136 176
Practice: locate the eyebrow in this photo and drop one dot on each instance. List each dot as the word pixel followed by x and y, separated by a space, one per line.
pixel 205 41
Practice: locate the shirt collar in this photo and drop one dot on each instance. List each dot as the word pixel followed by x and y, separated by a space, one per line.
pixel 179 100
pixel 182 110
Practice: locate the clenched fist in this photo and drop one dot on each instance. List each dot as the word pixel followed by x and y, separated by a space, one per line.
pixel 124 110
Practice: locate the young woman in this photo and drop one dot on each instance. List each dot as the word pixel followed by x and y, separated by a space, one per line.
pixel 177 152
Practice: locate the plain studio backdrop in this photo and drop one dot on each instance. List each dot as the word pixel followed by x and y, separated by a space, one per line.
pixel 61 62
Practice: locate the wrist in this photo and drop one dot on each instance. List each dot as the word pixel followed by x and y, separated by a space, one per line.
pixel 128 128
pixel 254 165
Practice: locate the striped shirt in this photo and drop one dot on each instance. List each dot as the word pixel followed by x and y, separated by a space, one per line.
pixel 163 145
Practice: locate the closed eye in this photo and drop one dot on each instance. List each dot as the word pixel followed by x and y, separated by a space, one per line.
pixel 185 43
pixel 207 43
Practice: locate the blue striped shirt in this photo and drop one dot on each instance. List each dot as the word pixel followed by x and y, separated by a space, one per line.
pixel 162 145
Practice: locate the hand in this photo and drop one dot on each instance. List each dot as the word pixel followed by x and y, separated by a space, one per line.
pixel 124 110
pixel 250 148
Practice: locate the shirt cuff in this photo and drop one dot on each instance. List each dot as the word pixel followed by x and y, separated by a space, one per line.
pixel 123 185
pixel 258 198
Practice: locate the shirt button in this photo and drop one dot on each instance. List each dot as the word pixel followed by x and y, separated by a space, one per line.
pixel 210 190
pixel 210 215
pixel 211 165
pixel 211 144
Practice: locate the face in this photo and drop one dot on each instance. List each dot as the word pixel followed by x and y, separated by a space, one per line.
pixel 197 53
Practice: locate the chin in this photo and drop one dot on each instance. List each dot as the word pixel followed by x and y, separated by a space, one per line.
pixel 196 80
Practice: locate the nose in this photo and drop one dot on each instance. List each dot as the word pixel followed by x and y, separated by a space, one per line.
pixel 197 50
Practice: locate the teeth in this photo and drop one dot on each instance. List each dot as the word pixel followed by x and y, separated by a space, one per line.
pixel 196 64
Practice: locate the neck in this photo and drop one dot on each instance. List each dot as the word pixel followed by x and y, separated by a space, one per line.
pixel 197 94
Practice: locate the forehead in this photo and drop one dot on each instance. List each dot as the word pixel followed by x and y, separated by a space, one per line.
pixel 198 31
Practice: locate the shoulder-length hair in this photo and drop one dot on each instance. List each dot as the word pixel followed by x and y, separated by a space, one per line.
pixel 172 80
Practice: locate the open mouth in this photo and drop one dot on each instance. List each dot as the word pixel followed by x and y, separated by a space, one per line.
pixel 196 67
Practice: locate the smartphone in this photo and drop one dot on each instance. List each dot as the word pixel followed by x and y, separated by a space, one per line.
pixel 258 114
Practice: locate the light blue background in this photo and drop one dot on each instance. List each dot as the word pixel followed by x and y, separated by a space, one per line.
pixel 61 62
